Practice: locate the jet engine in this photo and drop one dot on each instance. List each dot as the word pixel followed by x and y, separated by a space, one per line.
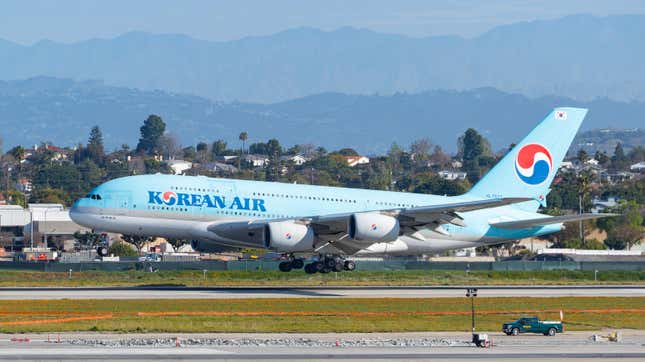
pixel 373 228
pixel 289 237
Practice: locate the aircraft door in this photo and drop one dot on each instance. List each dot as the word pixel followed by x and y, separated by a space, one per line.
pixel 118 201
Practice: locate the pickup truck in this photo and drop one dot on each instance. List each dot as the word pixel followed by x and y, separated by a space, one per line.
pixel 532 325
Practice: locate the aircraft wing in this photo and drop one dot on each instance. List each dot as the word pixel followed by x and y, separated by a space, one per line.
pixel 547 220
pixel 415 216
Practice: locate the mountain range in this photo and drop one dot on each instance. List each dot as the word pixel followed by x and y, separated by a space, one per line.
pixel 62 111
pixel 580 56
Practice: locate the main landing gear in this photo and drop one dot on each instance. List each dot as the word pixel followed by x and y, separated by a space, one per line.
pixel 324 264
pixel 292 263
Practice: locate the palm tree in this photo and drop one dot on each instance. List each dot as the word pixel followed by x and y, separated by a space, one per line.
pixel 243 137
pixel 584 187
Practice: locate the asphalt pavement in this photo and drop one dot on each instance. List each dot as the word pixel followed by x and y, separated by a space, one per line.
pixel 178 292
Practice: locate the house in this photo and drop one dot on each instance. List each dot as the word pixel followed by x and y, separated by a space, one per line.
pixel 616 177
pixel 566 165
pixel 600 205
pixel 456 164
pixel 356 160
pixel 24 185
pixel 220 167
pixel 226 158
pixel 452 175
pixel 58 153
pixel 257 160
pixel 297 160
pixel 179 166
pixel 638 167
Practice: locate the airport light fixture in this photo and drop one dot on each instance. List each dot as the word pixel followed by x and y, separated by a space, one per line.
pixel 472 293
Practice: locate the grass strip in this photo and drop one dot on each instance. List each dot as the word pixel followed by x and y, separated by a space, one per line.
pixel 20 278
pixel 313 314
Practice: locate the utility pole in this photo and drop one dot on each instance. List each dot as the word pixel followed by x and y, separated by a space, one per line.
pixel 472 293
pixel 31 229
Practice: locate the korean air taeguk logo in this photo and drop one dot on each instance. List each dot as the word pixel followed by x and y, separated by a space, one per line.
pixel 533 163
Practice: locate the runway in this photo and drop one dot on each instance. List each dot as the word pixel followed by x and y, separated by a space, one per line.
pixel 178 292
pixel 575 345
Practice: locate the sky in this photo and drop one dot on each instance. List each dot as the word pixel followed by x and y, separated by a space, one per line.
pixel 29 21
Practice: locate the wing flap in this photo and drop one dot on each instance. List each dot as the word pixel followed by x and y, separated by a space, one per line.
pixel 547 220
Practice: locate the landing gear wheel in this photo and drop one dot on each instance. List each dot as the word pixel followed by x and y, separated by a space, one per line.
pixel 338 267
pixel 330 263
pixel 297 263
pixel 285 266
pixel 515 331
pixel 102 251
pixel 318 266
pixel 310 268
pixel 350 265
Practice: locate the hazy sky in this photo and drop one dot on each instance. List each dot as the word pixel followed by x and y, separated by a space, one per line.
pixel 27 21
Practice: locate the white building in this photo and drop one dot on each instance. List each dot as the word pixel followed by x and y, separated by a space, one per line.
pixel 49 220
pixel 452 175
pixel 179 166
pixel 357 160
pixel 298 160
pixel 257 160
pixel 637 167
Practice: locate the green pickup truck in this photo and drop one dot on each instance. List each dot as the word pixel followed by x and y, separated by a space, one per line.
pixel 532 325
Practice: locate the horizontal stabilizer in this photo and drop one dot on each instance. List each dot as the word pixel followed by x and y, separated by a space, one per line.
pixel 527 223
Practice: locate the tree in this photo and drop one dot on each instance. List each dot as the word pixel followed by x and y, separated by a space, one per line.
pixel 274 150
pixel 89 239
pixel 439 158
pixel 168 145
pixel 475 152
pixel 95 150
pixel 619 161
pixel 151 131
pixel 259 148
pixel 218 148
pixel 121 248
pixel 189 153
pixel 202 152
pixel 136 240
pixel 602 158
pixel 583 156
pixel 472 145
pixel 625 230
pixel 243 137
pixel 347 152
pixel 420 150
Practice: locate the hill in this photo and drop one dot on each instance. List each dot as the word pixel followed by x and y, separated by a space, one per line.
pixel 63 111
pixel 581 56
pixel 605 140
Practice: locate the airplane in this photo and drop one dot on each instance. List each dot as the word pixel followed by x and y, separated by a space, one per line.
pixel 334 223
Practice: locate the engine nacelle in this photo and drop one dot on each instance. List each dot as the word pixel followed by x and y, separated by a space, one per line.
pixel 289 237
pixel 373 228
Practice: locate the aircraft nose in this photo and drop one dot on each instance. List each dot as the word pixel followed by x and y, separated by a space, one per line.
pixel 74 213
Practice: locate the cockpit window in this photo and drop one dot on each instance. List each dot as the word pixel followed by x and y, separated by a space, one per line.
pixel 94 196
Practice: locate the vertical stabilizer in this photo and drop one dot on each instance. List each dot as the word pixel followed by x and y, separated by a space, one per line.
pixel 529 168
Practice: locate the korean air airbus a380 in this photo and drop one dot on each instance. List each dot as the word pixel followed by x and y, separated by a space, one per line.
pixel 334 222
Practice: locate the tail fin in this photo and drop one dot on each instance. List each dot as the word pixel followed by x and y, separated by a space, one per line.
pixel 528 169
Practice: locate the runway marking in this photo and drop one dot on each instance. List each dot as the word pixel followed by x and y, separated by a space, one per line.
pixel 59 320
pixel 378 314
pixel 296 314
